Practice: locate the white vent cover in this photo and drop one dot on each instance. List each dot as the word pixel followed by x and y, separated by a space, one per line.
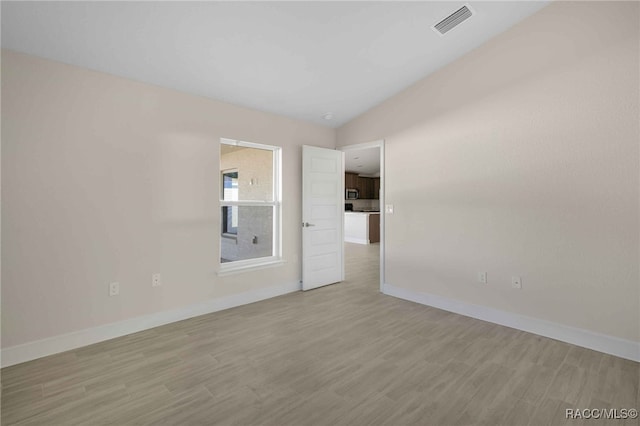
pixel 453 20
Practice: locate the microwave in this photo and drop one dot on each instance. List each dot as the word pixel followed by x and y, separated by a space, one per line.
pixel 351 194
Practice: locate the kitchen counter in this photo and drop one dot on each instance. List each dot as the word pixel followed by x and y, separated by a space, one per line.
pixel 362 227
pixel 363 211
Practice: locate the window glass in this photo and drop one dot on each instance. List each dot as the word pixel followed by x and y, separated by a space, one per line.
pixel 247 173
pixel 249 202
pixel 254 238
pixel 230 220
pixel 230 186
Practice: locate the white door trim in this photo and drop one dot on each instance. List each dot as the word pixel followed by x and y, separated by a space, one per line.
pixel 380 144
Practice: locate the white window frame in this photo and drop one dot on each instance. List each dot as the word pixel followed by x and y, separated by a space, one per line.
pixel 260 262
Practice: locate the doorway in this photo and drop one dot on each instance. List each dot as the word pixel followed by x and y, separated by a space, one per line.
pixel 364 210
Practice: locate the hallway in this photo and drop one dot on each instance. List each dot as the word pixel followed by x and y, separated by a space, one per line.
pixel 362 265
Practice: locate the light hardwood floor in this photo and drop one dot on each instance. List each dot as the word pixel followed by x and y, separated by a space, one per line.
pixel 339 355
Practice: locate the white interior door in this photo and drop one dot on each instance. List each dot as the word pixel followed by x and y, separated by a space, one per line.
pixel 322 216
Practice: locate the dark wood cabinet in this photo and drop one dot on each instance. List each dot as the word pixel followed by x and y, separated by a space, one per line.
pixel 351 181
pixel 365 186
pixel 368 188
pixel 374 228
pixel 376 188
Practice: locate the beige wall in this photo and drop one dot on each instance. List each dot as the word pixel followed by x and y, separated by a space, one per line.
pixel 522 158
pixel 106 179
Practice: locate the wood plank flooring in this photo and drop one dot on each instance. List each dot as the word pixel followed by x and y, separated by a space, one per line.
pixel 338 355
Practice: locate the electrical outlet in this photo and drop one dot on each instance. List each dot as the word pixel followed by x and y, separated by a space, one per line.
pixel 114 289
pixel 516 282
pixel 155 280
pixel 482 277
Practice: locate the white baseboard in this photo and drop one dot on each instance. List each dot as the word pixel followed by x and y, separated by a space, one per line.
pixel 588 339
pixel 64 342
pixel 356 240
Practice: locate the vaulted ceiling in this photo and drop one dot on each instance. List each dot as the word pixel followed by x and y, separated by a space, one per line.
pixel 299 59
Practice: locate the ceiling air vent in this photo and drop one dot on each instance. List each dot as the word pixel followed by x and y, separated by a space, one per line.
pixel 453 20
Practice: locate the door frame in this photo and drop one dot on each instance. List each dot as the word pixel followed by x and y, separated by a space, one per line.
pixel 366 145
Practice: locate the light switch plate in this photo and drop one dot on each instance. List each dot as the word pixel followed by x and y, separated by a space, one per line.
pixel 388 208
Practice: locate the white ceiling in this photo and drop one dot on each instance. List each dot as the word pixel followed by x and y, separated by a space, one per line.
pixel 299 59
pixel 363 161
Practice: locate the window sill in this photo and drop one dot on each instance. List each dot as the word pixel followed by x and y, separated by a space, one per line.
pixel 231 269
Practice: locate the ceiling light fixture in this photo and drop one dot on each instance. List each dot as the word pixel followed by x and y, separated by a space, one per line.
pixel 328 116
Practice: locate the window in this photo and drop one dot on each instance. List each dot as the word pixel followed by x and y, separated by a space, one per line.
pixel 230 213
pixel 250 205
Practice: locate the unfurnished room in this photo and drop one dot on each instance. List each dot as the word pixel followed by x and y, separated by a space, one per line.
pixel 307 213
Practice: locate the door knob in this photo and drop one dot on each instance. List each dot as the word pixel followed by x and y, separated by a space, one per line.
pixel 307 224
